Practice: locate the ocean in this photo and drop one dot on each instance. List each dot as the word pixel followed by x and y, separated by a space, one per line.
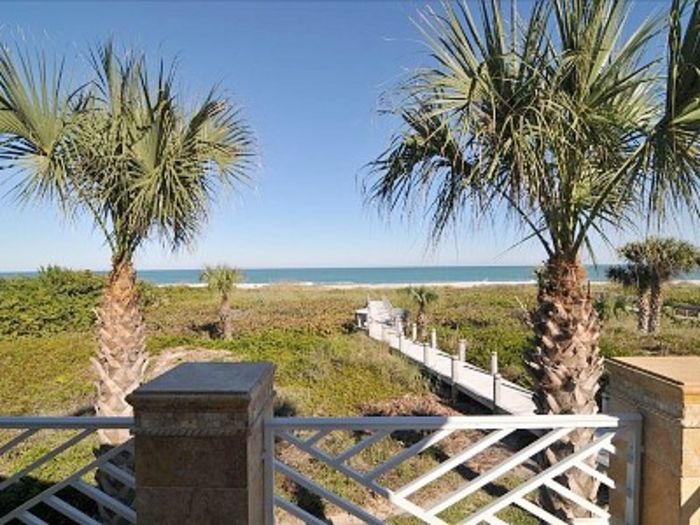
pixel 371 276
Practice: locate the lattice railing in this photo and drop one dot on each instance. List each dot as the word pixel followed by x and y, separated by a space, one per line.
pixel 48 469
pixel 440 469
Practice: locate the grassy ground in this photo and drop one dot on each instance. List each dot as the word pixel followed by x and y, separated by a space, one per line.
pixel 323 366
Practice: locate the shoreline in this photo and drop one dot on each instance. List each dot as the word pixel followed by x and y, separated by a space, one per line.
pixel 390 286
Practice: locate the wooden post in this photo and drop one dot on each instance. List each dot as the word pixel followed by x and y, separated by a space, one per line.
pixel 433 338
pixel 494 363
pixel 414 332
pixel 462 349
pixel 456 363
pixel 496 392
pixel 425 355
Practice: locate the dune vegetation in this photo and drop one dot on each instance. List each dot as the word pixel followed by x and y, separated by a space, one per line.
pixel 323 365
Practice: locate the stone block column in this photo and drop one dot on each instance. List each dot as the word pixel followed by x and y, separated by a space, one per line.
pixel 199 444
pixel 666 392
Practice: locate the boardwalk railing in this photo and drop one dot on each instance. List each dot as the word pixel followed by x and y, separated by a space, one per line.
pixel 48 467
pixel 486 387
pixel 440 470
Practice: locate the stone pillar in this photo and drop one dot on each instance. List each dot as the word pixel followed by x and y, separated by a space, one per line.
pixel 199 444
pixel 666 392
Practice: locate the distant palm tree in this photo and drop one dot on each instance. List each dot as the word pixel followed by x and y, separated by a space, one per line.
pixel 125 151
pixel 422 297
pixel 635 276
pixel 222 280
pixel 650 264
pixel 561 120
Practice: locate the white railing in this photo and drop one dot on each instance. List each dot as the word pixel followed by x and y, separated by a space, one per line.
pixel 440 469
pixel 34 450
pixel 486 387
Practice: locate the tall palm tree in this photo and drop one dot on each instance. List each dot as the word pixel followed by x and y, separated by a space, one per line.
pixel 632 275
pixel 222 279
pixel 124 150
pixel 423 297
pixel 561 121
pixel 652 263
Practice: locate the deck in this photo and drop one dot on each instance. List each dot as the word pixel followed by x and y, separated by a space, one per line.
pixel 478 384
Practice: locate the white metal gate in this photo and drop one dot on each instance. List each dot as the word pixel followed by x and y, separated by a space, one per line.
pixel 389 469
pixel 53 460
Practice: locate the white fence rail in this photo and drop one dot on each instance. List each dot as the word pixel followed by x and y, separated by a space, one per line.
pixel 438 469
pixel 48 466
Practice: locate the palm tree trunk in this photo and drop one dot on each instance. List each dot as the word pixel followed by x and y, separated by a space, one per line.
pixel 567 366
pixel 655 305
pixel 225 326
pixel 643 310
pixel 422 321
pixel 121 348
pixel 120 365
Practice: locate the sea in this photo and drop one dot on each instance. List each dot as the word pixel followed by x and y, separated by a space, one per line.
pixel 366 276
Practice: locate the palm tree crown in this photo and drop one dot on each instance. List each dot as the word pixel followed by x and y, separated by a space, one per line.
pixel 648 265
pixel 221 279
pixel 569 131
pixel 422 296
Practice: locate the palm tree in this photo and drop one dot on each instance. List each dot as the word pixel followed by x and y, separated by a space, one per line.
pixel 561 121
pixel 222 279
pixel 635 276
pixel 650 264
pixel 125 151
pixel 423 297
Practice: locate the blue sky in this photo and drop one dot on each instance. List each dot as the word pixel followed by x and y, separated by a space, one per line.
pixel 308 76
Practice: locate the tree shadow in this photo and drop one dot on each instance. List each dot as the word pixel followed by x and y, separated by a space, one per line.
pixel 440 452
pixel 208 329
pixel 690 507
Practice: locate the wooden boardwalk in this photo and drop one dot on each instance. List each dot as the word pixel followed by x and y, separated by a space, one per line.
pixel 478 384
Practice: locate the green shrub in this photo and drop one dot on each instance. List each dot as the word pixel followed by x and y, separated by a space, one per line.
pixel 56 301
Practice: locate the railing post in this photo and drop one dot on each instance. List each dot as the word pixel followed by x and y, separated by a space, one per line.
pixel 433 338
pixel 496 392
pixel 199 444
pixel 456 364
pixel 462 350
pixel 425 355
pixel 414 332
pixel 494 363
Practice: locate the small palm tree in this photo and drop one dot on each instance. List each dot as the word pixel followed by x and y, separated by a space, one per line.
pixel 635 276
pixel 222 279
pixel 422 297
pixel 560 119
pixel 124 151
pixel 649 265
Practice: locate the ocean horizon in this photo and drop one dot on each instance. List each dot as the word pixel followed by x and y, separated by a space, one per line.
pixel 364 275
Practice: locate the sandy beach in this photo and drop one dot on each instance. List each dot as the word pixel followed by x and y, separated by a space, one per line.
pixel 393 286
